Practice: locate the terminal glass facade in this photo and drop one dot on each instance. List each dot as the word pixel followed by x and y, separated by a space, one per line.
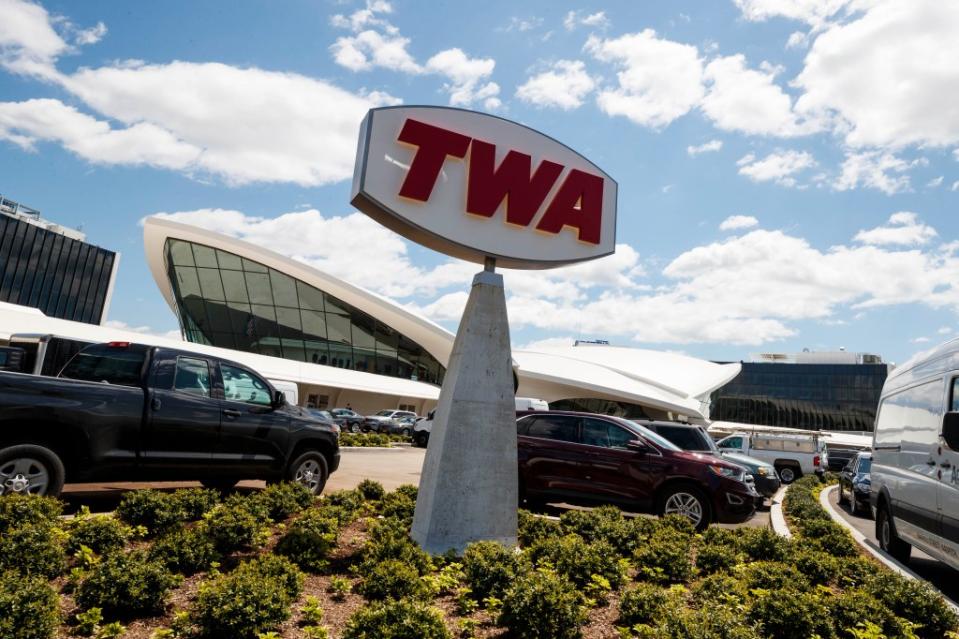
pixel 226 300
pixel 63 277
pixel 811 396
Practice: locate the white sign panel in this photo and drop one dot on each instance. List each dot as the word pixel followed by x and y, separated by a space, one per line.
pixel 473 185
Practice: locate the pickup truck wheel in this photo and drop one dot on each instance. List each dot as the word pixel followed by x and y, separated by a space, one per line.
pixel 309 469
pixel 788 474
pixel 28 469
pixel 688 502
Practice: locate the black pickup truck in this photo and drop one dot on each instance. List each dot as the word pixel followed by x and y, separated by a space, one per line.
pixel 130 412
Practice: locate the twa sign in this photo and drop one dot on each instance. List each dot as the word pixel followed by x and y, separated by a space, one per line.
pixel 473 186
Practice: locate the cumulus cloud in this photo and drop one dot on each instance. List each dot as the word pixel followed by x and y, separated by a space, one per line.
pixel 659 80
pixel 564 85
pixel 28 42
pixel 705 147
pixel 736 222
pixel 903 228
pixel 145 330
pixel 879 170
pixel 467 77
pixel 369 49
pixel 779 167
pixel 576 19
pixel 813 12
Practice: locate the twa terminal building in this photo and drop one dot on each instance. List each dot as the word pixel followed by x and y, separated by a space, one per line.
pixel 337 344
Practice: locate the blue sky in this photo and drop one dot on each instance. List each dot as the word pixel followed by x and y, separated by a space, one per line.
pixel 788 169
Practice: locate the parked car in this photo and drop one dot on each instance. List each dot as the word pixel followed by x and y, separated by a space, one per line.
pixel 131 412
pixel 855 480
pixel 352 420
pixel 327 416
pixel 403 425
pixel 915 457
pixel 839 458
pixel 422 428
pixel 793 455
pixel 381 421
pixel 589 459
pixel 694 438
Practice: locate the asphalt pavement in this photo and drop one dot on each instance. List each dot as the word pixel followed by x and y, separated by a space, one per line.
pixel 935 572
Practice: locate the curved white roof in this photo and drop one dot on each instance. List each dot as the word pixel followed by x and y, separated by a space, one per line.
pixel 663 380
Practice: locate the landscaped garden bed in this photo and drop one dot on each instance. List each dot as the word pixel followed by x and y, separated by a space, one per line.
pixel 372 440
pixel 278 564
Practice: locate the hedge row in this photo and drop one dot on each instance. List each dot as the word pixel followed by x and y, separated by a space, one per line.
pixel 371 440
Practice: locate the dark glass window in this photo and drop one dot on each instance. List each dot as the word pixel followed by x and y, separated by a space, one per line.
pixel 557 427
pixel 685 438
pixel 243 386
pixel 192 376
pixel 106 365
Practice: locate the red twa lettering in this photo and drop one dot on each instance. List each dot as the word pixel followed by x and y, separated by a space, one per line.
pixel 577 204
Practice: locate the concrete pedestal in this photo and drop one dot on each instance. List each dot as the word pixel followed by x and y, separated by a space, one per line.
pixel 468 489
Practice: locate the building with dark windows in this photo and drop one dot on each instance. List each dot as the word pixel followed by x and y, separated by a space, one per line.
pixel 829 391
pixel 51 268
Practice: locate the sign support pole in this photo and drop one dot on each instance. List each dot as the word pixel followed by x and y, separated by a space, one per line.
pixel 469 488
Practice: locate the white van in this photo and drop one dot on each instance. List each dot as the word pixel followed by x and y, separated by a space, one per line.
pixel 915 467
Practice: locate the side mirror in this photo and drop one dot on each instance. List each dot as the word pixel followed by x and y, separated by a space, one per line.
pixel 638 446
pixel 278 399
pixel 950 430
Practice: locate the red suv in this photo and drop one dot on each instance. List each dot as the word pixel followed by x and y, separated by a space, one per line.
pixel 587 458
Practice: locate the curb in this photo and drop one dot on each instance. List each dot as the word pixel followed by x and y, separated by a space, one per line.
pixel 776 519
pixel 372 449
pixel 871 548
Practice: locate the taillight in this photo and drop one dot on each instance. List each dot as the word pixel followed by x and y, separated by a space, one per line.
pixel 118 344
pixel 815 460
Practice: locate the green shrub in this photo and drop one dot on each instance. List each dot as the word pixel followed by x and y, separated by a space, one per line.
pixel 830 537
pixel 914 601
pixel 193 503
pixel 254 598
pixel 719 622
pixel 371 490
pixel 855 571
pixel 350 500
pixel 533 528
pixel 642 604
pixel 771 575
pixel 715 557
pixel 543 605
pixel 762 544
pixel 409 490
pixel 605 523
pixel 126 585
pixel 820 568
pixel 678 523
pixel 392 579
pixel 489 568
pixel 100 533
pixel 720 589
pixel 185 550
pixel 365 440
pixel 389 539
pixel 233 526
pixel 23 510
pixel 156 511
pixel 578 561
pixel 29 608
pixel 33 549
pixel 309 540
pixel 665 558
pixel 399 506
pixel 851 608
pixel 789 614
pixel 396 620
pixel 284 500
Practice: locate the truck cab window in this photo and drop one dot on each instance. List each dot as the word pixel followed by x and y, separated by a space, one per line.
pixel 106 364
pixel 241 386
pixel 192 376
pixel 732 442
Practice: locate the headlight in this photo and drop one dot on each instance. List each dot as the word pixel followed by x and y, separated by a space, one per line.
pixel 723 471
pixel 762 471
pixel 862 484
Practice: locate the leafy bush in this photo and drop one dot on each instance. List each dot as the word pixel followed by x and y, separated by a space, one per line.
pixel 789 614
pixel 392 579
pixel 389 539
pixel 543 605
pixel 721 622
pixel 371 490
pixel 396 620
pixel 771 575
pixel 578 561
pixel 855 571
pixel 399 506
pixel 284 500
pixel 351 501
pixel 254 598
pixel 664 558
pixel 762 544
pixel 409 490
pixel 852 607
pixel 233 526
pixel 126 585
pixel 642 605
pixel 830 537
pixel 309 540
pixel 717 552
pixel 29 608
pixel 605 523
pixel 365 440
pixel 720 589
pixel 33 549
pixel 914 601
pixel 156 511
pixel 820 568
pixel 533 528
pixel 22 510
pixel 100 533
pixel 193 503
pixel 489 568
pixel 185 550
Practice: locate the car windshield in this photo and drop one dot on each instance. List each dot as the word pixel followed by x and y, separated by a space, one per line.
pixel 687 437
pixel 864 464
pixel 384 413
pixel 660 441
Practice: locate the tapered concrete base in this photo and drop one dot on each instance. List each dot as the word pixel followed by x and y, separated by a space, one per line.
pixel 468 489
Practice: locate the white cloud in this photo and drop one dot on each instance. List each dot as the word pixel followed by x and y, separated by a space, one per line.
pixel 736 222
pixel 944 330
pixel 705 147
pixel 92 35
pixel 369 49
pixel 467 76
pixel 780 166
pixel 903 228
pixel 563 86
pixel 575 19
pixel 919 340
pixel 886 76
pixel 522 25
pixel 145 330
pixel 749 100
pixel 659 80
pixel 935 182
pixel 876 170
pixel 813 12
pixel 797 40
pixel 28 42
pixel 955 186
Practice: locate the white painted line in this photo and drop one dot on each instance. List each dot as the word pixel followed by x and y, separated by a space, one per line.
pixel 871 548
pixel 776 518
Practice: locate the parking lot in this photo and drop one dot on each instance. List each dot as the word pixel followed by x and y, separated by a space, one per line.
pixel 391 467
pixel 935 572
